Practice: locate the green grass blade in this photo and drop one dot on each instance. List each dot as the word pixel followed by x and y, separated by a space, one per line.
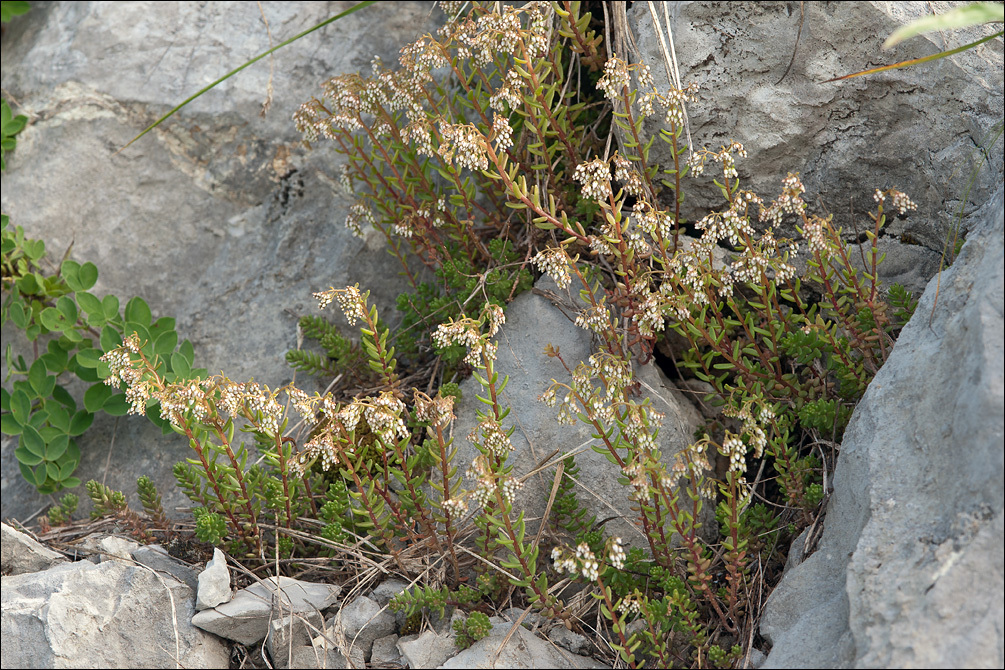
pixel 257 58
pixel 961 17
pixel 916 61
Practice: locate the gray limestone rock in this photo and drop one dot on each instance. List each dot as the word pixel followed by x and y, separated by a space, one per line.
pixel 916 128
pixel 111 614
pixel 245 619
pixel 156 557
pixel 219 217
pixel 20 553
pixel 523 650
pixel 100 548
pixel 288 635
pixel 214 583
pixel 385 652
pixel 533 321
pixel 363 621
pixel 388 589
pixel 909 570
pixel 572 642
pixel 427 650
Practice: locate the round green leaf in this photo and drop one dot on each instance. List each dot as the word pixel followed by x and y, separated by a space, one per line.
pixel 138 311
pixel 37 375
pixel 80 422
pixel 71 482
pixel 28 285
pixel 20 406
pixel 166 343
pixel 31 476
pixel 9 425
pixel 59 418
pixel 117 405
pixel 110 338
pixel 88 276
pixel 96 396
pixel 51 319
pixel 69 270
pixel 89 303
pixel 180 365
pixel 88 358
pixel 89 375
pixel 188 351
pixel 110 306
pixel 32 441
pixel 52 471
pixel 55 449
pixel 18 315
pixel 63 397
pixel 67 308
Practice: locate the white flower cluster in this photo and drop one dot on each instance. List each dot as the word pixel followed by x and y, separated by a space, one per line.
pixel 465 332
pixel 508 93
pixel 629 177
pixel 320 446
pixel 304 404
pixel 554 262
pixel 455 507
pixel 495 316
pixel 582 562
pixel 493 438
pixel 730 225
pixel 615 79
pixel 419 134
pixel 734 449
pixel 596 318
pixel 359 214
pixel 696 162
pixel 636 428
pixel 437 411
pixel 383 415
pixel 485 482
pixel 502 133
pixel 595 176
pixel 901 202
pixel 350 415
pixel 656 223
pixel 814 234
pixel 648 315
pixel 615 553
pixel 508 488
pixel 464 145
pixel 789 202
pixel 615 372
pixel 262 404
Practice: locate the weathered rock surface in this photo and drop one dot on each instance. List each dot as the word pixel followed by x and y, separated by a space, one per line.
pixel 915 128
pixel 385 651
pixel 218 217
pixel 909 570
pixel 532 322
pixel 214 583
pixel 427 650
pixel 156 557
pixel 110 614
pixel 245 619
pixel 21 554
pixel 362 621
pixel 523 650
pixel 289 635
pixel 99 548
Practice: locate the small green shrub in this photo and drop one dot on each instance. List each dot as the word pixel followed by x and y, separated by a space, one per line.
pixel 480 158
pixel 69 328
